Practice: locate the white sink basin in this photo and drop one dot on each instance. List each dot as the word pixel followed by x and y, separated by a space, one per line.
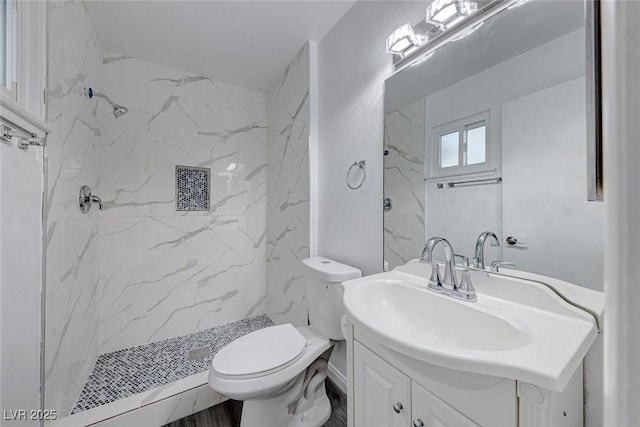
pixel 516 329
pixel 407 310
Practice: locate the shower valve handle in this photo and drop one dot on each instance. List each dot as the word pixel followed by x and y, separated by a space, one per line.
pixel 96 199
pixel 86 199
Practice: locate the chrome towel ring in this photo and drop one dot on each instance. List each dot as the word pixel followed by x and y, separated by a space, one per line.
pixel 362 165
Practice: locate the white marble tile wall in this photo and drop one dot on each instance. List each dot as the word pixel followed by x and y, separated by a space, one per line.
pixel 167 273
pixel 404 142
pixel 139 271
pixel 72 287
pixel 288 192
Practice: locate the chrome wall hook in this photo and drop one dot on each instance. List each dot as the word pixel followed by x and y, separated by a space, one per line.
pixel 86 200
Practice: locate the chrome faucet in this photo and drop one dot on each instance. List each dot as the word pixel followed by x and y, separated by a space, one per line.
pixel 449 283
pixel 479 258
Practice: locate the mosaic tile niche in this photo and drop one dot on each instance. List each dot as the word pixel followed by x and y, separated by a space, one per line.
pixel 192 188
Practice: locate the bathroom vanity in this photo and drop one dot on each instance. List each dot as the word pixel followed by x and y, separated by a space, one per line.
pixel 513 358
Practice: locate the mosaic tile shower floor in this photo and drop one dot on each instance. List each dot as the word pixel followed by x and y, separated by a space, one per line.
pixel 135 370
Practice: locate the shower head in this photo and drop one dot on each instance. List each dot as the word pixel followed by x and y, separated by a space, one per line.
pixel 118 110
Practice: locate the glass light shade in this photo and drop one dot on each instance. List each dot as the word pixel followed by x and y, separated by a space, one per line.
pixel 402 40
pixel 446 13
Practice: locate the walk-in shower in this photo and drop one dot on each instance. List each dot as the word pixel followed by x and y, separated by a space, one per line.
pixel 118 110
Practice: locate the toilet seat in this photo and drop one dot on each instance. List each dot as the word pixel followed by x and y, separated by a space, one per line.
pixel 239 388
pixel 260 353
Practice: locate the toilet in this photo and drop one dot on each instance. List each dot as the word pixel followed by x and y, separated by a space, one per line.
pixel 279 371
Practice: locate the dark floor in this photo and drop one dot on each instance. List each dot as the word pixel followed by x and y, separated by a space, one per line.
pixel 227 414
pixel 338 406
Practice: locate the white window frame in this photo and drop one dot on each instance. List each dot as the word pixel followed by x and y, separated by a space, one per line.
pixel 28 56
pixel 461 125
pixel 11 53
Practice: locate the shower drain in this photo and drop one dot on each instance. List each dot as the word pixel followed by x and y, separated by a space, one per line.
pixel 199 353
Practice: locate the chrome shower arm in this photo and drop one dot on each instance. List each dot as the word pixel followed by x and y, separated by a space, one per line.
pixel 103 96
pixel 118 110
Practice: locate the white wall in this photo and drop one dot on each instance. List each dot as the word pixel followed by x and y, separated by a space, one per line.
pixel 288 210
pixel 164 272
pixel 544 171
pixel 621 134
pixel 353 65
pixel 21 188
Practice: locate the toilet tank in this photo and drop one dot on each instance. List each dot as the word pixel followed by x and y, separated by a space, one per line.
pixel 323 280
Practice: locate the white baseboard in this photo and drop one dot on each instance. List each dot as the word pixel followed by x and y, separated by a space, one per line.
pixel 338 378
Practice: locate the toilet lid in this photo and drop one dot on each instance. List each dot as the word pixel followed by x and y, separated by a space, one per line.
pixel 260 353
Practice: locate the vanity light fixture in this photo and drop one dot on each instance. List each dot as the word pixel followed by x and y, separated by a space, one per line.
pixel 446 20
pixel 404 40
pixel 446 13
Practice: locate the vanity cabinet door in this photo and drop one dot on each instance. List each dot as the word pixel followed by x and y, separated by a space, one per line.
pixel 382 394
pixel 429 411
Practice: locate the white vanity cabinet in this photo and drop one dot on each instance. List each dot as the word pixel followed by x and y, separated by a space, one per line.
pixel 390 389
pixel 513 358
pixel 384 393
pixel 429 411
pixel 384 396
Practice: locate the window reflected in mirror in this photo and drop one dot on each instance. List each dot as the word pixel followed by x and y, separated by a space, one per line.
pixel 489 133
pixel 475 141
pixel 450 150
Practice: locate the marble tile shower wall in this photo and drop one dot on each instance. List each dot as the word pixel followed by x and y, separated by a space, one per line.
pixel 404 139
pixel 140 271
pixel 288 192
pixel 166 272
pixel 72 291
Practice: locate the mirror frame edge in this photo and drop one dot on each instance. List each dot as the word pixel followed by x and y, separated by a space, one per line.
pixel 595 175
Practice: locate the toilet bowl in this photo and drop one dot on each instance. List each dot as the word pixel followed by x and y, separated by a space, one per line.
pixel 271 390
pixel 279 371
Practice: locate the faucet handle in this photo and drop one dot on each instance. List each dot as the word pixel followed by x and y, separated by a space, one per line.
pixel 434 280
pixel 96 199
pixel 466 287
pixel 464 259
pixel 495 265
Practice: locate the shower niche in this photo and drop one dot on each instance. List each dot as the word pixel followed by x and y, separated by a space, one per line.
pixel 192 188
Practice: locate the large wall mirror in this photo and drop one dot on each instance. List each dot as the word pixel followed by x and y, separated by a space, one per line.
pixel 489 133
